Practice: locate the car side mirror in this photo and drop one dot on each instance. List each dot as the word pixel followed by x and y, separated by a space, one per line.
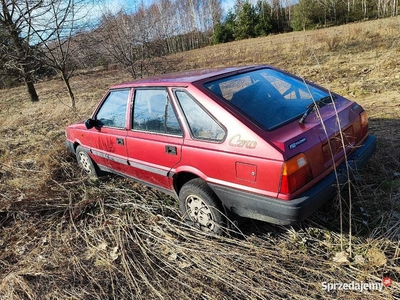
pixel 90 123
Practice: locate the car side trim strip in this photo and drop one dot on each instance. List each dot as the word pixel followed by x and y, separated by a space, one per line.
pixel 147 168
pixel 131 163
pixel 110 157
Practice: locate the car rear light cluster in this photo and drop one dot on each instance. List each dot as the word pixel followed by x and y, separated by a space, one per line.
pixel 364 123
pixel 296 172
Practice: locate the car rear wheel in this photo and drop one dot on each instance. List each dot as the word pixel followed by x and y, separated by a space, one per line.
pixel 201 207
pixel 85 162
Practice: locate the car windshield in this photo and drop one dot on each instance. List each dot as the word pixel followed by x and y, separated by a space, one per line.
pixel 267 96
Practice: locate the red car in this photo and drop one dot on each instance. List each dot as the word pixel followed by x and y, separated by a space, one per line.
pixel 254 142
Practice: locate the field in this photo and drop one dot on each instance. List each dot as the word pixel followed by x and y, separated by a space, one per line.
pixel 64 236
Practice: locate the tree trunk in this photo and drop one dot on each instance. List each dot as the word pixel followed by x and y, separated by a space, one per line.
pixel 20 46
pixel 30 85
pixel 70 93
pixel 32 91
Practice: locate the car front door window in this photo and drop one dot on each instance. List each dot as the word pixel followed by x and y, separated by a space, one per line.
pixel 113 111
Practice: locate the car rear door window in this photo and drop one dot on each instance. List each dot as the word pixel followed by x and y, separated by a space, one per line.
pixel 153 112
pixel 112 113
pixel 202 125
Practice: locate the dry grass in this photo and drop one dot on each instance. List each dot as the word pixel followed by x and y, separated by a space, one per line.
pixel 63 236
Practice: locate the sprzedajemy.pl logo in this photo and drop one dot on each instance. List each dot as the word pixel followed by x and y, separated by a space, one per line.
pixel 356 286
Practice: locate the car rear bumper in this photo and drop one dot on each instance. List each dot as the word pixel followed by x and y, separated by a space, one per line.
pixel 283 212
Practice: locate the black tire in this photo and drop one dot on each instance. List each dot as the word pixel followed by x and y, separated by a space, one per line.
pixel 200 206
pixel 85 162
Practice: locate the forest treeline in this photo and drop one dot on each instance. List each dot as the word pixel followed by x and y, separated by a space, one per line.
pixel 41 39
pixel 247 20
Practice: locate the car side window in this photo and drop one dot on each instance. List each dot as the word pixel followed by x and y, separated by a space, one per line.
pixel 153 112
pixel 112 113
pixel 202 125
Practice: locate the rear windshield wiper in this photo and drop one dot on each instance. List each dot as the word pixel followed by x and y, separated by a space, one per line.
pixel 319 103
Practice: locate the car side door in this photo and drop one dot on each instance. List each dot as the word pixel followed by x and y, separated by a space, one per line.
pixel 154 143
pixel 108 137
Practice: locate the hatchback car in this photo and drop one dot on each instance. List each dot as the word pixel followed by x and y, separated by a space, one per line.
pixel 253 142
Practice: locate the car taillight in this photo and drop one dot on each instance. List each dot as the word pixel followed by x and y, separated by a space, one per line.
pixel 296 172
pixel 364 123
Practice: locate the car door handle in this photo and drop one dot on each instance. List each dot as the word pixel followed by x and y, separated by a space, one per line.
pixel 171 150
pixel 120 141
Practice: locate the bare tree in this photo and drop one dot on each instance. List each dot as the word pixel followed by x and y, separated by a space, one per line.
pixel 42 32
pixel 56 32
pixel 136 41
pixel 139 40
pixel 18 52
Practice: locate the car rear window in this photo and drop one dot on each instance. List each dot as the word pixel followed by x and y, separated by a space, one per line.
pixel 269 97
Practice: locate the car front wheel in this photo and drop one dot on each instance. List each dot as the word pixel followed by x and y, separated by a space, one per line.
pixel 200 206
pixel 85 162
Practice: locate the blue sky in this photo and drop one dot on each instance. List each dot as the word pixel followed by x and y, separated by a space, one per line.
pixel 116 5
pixel 227 5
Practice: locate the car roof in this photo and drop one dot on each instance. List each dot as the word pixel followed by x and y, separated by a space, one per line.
pixel 184 78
